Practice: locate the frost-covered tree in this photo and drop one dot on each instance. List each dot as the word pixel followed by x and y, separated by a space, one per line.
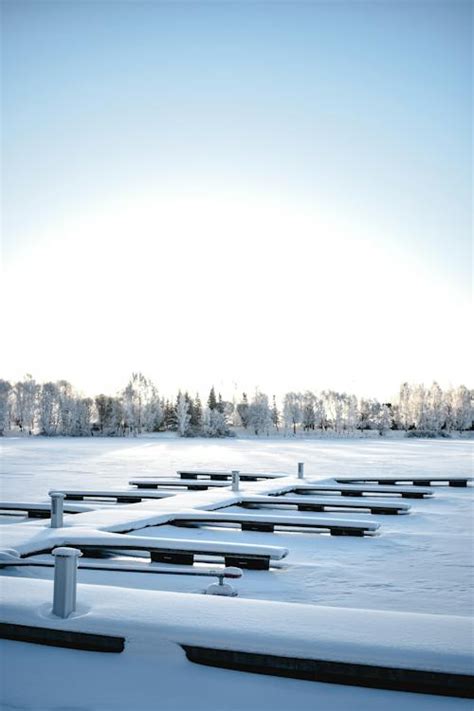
pixel 259 415
pixel 153 410
pixel 66 408
pixel 308 415
pixel 319 413
pixel 350 412
pixel 243 410
pixel 220 404
pixel 383 419
pixel 49 409
pixel 436 409
pixel 82 416
pixel 461 408
pixel 214 423
pixel 365 412
pixel 182 414
pixel 275 415
pixel 141 405
pixel 404 407
pixel 5 406
pixel 292 411
pixel 419 408
pixel 25 403
pixel 109 415
pixel 333 406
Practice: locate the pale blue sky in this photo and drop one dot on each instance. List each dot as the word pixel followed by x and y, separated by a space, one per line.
pixel 358 111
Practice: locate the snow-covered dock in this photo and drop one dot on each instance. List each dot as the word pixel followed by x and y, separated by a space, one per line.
pixel 431 480
pixel 176 483
pixel 418 564
pixel 411 492
pixel 222 475
pixel 328 503
pixel 439 646
pixel 128 496
pixel 165 550
pixel 268 522
pixel 34 509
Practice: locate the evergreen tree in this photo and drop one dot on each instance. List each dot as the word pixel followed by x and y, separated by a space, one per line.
pixel 212 401
pixel 170 420
pixel 196 414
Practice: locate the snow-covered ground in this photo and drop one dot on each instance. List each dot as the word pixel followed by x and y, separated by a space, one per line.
pixel 421 562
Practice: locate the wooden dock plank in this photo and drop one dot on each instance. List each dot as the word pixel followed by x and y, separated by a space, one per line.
pixel 62 638
pixel 348 673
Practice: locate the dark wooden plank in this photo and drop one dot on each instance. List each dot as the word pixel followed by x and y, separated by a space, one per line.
pixel 347 673
pixel 248 562
pixel 62 638
pixel 180 558
pixel 256 526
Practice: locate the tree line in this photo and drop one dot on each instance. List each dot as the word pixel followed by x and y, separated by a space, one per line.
pixel 56 409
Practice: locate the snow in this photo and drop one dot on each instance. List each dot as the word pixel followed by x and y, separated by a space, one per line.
pixel 162 678
pixel 408 641
pixel 418 563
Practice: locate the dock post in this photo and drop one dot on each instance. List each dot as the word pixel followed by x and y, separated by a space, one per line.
pixel 300 470
pixel 65 580
pixel 57 504
pixel 235 480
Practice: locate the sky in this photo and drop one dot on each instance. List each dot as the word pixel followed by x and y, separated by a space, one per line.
pixel 239 194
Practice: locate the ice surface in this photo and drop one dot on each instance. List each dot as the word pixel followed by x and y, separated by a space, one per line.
pixel 420 563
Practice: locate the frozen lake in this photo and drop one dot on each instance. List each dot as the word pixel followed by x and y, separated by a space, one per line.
pixel 420 562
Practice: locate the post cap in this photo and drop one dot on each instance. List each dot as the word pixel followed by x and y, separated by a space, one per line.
pixel 232 572
pixel 65 552
pixel 57 494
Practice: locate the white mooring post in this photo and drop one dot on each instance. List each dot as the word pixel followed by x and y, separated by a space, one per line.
pixel 65 580
pixel 300 470
pixel 57 506
pixel 235 480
